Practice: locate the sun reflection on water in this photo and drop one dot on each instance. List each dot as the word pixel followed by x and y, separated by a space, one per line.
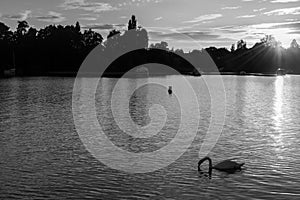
pixel 278 102
pixel 278 135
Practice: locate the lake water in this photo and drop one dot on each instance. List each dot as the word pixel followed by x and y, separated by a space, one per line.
pixel 42 156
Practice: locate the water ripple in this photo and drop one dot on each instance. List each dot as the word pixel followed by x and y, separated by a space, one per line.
pixel 42 157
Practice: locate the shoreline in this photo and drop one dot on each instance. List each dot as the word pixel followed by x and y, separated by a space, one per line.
pixel 119 75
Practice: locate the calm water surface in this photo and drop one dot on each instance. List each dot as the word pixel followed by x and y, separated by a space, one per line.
pixel 42 157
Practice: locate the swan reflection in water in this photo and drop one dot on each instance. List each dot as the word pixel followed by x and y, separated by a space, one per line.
pixel 228 166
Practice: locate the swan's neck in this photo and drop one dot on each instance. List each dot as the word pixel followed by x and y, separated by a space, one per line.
pixel 204 159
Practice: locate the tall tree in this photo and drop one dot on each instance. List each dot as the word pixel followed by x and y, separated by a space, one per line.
pixel 91 38
pixel 270 41
pixel 77 27
pixel 22 27
pixel 294 44
pixel 232 49
pixel 241 44
pixel 132 24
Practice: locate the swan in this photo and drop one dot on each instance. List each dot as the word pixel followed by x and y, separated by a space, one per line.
pixel 226 165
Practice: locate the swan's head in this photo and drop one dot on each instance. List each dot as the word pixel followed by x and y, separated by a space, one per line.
pixel 202 160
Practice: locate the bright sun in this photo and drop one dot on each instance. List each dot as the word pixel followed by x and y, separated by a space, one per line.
pixel 282 36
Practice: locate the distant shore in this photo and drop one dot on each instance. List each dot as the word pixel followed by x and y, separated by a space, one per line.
pixel 119 75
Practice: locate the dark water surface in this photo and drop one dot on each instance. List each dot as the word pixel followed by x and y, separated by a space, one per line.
pixel 42 157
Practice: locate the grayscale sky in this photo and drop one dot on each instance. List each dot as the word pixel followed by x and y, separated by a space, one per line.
pixel 209 22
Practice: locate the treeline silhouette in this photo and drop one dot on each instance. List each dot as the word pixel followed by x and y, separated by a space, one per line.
pixel 60 50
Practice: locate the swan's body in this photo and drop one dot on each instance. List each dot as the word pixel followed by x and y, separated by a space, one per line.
pixel 226 165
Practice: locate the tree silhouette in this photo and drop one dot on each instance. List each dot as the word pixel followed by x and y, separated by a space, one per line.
pixel 77 27
pixel 113 32
pixel 22 27
pixel 57 49
pixel 232 49
pixel 91 39
pixel 132 24
pixel 3 30
pixel 241 44
pixel 162 45
pixel 294 44
pixel 270 41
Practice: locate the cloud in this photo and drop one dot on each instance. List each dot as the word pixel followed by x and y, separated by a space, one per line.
pixel 189 40
pixel 99 26
pixel 199 35
pixel 87 6
pixel 230 30
pixel 103 26
pixel 120 25
pixel 246 16
pixel 233 32
pixel 52 17
pixel 158 18
pixel 252 32
pixel 146 1
pixel 88 18
pixel 290 25
pixel 181 36
pixel 291 20
pixel 295 32
pixel 284 1
pixel 20 16
pixel 268 26
pixel 284 11
pixel 204 18
pixel 230 8
pixel 259 10
pixel 137 2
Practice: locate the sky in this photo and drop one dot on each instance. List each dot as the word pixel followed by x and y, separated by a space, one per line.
pixel 186 24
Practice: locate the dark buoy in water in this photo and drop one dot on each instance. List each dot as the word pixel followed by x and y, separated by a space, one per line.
pixel 170 90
